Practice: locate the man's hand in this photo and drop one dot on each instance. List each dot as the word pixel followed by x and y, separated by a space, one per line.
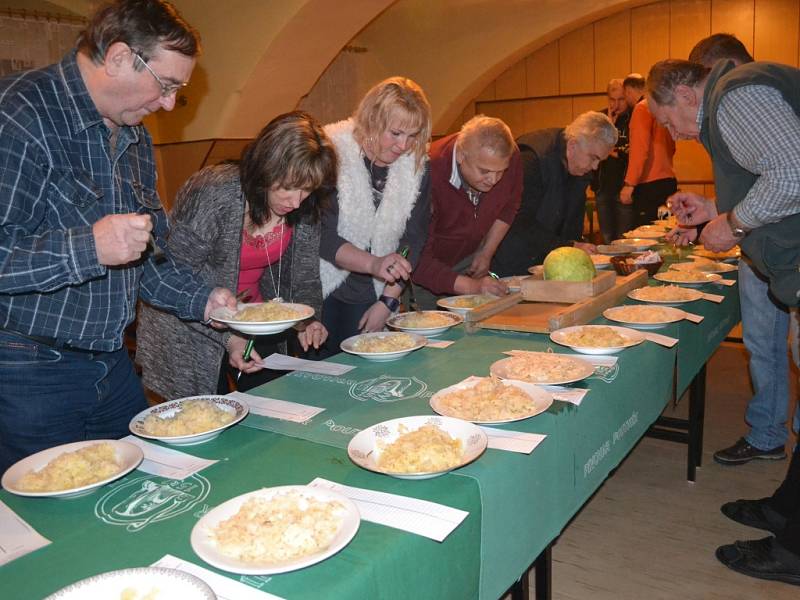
pixel 479 266
pixel 120 239
pixel 235 348
pixel 375 318
pixel 691 209
pixel 314 334
pixel 490 285
pixel 390 268
pixel 589 248
pixel 717 235
pixel 219 298
pixel 682 236
pixel 626 194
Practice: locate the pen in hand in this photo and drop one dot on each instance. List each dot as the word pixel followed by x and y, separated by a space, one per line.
pixel 246 354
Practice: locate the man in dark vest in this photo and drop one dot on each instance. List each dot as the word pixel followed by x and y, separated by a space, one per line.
pixel 747 119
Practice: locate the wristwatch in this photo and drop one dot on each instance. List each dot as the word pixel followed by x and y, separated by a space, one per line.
pixel 736 228
pixel 391 303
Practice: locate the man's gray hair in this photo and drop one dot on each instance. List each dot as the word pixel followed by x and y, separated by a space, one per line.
pixel 614 84
pixel 489 133
pixel 592 126
pixel 666 75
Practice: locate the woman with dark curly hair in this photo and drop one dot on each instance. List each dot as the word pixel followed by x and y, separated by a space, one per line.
pixel 253 227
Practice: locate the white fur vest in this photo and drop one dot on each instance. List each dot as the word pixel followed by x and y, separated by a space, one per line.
pixel 375 231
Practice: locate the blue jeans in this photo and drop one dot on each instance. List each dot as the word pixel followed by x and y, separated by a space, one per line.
pixel 50 397
pixel 765 327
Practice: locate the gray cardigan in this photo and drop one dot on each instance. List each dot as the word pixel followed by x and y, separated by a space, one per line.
pixel 179 358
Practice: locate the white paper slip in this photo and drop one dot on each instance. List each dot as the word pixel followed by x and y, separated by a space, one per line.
pixel 513 441
pixel 439 344
pixel 713 297
pixel 567 394
pixel 657 338
pixel 728 282
pixel 429 519
pixel 281 362
pixel 694 318
pixel 224 587
pixel 166 462
pixel 17 538
pixel 278 409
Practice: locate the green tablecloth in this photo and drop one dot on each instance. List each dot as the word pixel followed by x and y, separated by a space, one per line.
pixel 518 503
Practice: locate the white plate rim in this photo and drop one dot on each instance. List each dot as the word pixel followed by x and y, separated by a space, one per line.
pixel 498 365
pixel 359 438
pixel 241 408
pixel 262 327
pixel 710 278
pixel 446 302
pixel 608 314
pixel 457 320
pixel 698 295
pixel 40 459
pixel 530 389
pixel 721 267
pixel 203 545
pixel 347 343
pixel 634 339
pixel 176 574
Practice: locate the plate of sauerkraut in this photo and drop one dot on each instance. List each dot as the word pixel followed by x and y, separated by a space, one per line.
pixel 263 318
pixel 491 400
pixel 597 339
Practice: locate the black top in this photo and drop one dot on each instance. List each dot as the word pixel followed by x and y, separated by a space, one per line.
pixel 553 204
pixel 609 177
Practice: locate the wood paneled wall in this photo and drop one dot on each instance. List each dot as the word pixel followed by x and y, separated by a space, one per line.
pixel 554 84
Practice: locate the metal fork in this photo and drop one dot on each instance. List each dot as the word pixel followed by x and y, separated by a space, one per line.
pixel 412 297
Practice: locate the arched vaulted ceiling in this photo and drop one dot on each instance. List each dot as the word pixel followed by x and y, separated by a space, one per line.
pixel 262 56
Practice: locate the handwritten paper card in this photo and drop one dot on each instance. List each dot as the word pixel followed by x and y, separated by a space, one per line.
pixel 278 409
pixel 281 362
pixel 17 537
pixel 166 462
pixel 429 519
pixel 513 441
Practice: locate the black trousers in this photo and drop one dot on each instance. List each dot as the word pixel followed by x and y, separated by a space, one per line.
pixel 786 500
pixel 647 197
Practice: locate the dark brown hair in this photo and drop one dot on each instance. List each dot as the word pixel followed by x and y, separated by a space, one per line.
pixel 142 25
pixel 292 152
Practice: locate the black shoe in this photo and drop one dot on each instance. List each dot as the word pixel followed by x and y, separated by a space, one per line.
pixel 754 513
pixel 742 452
pixel 765 559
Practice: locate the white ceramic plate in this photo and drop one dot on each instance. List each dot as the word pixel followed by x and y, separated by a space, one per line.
pixel 167 583
pixel 649 232
pixel 636 243
pixel 618 314
pixel 601 261
pixel 689 295
pixel 205 546
pixel 540 400
pixel 574 369
pixel 169 409
pixel 397 322
pixel 615 249
pixel 348 345
pixel 682 277
pixel 128 457
pixel 514 282
pixel 704 266
pixel 731 255
pixel 365 447
pixel 450 303
pixel 225 315
pixel 631 337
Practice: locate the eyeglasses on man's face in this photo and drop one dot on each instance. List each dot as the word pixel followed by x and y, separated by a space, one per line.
pixel 167 89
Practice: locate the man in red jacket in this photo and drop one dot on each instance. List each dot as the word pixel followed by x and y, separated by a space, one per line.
pixel 476 184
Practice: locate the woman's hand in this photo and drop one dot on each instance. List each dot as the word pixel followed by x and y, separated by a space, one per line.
pixel 390 268
pixel 314 335
pixel 375 318
pixel 235 348
pixel 682 236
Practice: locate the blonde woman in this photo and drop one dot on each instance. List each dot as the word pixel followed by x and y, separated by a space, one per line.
pixel 382 204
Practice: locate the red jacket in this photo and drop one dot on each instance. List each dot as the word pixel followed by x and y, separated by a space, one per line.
pixel 456 230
